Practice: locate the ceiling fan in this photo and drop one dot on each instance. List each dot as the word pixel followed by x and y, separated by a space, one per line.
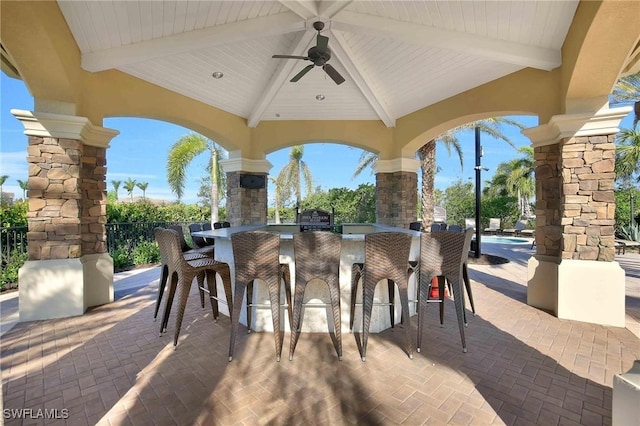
pixel 319 55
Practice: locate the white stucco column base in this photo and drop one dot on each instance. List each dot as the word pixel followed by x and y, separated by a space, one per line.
pixel 580 290
pixel 626 394
pixel 64 287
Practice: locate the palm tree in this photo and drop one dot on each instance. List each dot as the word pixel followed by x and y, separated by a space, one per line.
pixel 291 176
pixel 516 178
pixel 521 181
pixel 279 193
pixel 116 186
pixel 130 185
pixel 143 186
pixel 24 185
pixel 182 152
pixel 627 153
pixel 3 179
pixel 427 156
pixel 627 89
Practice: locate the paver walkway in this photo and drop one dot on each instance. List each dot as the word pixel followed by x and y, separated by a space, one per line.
pixel 523 366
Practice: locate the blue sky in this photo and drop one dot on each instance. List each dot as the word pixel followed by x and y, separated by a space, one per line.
pixel 140 152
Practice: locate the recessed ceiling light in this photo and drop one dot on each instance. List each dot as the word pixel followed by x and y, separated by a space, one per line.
pixel 217 75
pixel 320 97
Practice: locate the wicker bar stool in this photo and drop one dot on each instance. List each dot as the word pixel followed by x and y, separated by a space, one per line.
pixel 182 274
pixel 165 271
pixel 442 254
pixel 256 255
pixel 386 257
pixel 317 256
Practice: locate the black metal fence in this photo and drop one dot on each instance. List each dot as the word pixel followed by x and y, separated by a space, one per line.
pixel 123 236
pixel 13 239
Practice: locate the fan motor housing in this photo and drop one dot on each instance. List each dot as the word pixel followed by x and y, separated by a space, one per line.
pixel 319 57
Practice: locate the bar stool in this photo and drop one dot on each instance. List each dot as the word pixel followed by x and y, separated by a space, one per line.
pixel 442 254
pixel 317 256
pixel 182 273
pixel 256 255
pixel 386 257
pixel 165 271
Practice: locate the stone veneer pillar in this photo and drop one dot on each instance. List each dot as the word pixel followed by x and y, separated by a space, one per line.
pixel 245 206
pixel 68 269
pixel 396 191
pixel 573 273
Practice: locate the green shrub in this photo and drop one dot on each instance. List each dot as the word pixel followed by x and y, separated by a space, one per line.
pixel 120 258
pixel 146 252
pixel 9 271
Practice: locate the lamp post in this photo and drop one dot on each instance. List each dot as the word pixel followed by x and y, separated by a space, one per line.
pixel 478 168
pixel 632 218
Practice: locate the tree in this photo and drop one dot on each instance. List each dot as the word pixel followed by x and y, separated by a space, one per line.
pixel 180 156
pixel 143 186
pixel 627 89
pixel 129 186
pixel 292 175
pixel 427 156
pixel 516 178
pixel 459 200
pixel 279 192
pixel 24 185
pixel 116 186
pixel 3 179
pixel 627 153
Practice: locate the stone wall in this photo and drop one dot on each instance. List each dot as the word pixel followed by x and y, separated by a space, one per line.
pixel 396 198
pixel 93 189
pixel 245 206
pixel 589 202
pixel 575 205
pixel 548 194
pixel 67 201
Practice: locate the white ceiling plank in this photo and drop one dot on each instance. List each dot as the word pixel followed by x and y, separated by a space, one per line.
pixel 329 9
pixel 180 43
pixel 302 8
pixel 343 53
pixel 498 50
pixel 279 77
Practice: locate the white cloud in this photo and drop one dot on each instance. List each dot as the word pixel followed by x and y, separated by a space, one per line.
pixel 14 164
pixel 130 175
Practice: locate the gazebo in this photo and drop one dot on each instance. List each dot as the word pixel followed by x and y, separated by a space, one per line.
pixel 411 72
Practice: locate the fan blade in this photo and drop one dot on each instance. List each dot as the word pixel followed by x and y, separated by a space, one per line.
pixel 322 42
pixel 301 73
pixel 335 75
pixel 290 57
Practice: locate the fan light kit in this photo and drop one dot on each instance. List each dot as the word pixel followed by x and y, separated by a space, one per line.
pixel 319 55
pixel 217 75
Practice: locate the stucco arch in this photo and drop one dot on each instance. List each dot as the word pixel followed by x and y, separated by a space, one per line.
pixel 527 92
pixel 271 136
pixel 595 51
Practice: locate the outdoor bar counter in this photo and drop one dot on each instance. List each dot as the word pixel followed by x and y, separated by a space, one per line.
pixel 315 318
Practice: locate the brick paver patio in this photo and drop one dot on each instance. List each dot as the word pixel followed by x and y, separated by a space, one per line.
pixel 523 366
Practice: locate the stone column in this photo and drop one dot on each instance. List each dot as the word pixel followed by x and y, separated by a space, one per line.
pixel 68 269
pixel 397 191
pixel 246 203
pixel 573 273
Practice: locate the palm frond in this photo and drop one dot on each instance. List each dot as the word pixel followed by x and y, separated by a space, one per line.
pixel 182 152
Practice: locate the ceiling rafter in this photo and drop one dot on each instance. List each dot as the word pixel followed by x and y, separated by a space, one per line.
pixel 279 77
pixel 346 57
pixel 498 50
pixel 184 42
pixel 329 9
pixel 304 9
